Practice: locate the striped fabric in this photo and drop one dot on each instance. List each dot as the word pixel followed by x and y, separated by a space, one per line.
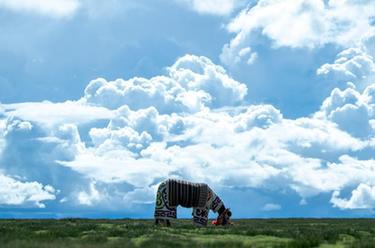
pixel 172 193
pixel 186 194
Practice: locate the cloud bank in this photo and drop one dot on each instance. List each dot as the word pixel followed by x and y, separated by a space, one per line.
pixel 116 143
pixel 192 84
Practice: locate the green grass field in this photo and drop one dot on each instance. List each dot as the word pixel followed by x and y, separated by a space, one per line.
pixel 324 233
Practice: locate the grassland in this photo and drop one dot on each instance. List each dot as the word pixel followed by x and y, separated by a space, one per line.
pixel 280 233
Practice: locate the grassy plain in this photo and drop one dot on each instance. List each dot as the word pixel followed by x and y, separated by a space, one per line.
pixel 257 233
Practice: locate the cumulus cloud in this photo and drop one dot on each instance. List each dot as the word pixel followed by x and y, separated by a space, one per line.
pixel 291 153
pixel 256 147
pixel 135 130
pixel 267 152
pixel 351 110
pixel 15 192
pixel 150 133
pixel 350 105
pixel 258 116
pixel 309 24
pixel 333 176
pixel 353 65
pixel 363 197
pixel 53 8
pixel 214 7
pixel 192 84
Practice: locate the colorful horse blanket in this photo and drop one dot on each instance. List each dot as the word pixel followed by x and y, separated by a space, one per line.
pixel 172 193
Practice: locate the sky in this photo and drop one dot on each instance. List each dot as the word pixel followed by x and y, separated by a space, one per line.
pixel 269 102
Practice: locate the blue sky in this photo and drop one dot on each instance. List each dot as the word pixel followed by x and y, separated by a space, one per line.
pixel 270 102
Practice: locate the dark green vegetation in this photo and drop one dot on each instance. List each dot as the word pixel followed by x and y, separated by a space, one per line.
pixel 281 233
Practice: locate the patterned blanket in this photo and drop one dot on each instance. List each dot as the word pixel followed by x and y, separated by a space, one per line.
pixel 186 194
pixel 172 193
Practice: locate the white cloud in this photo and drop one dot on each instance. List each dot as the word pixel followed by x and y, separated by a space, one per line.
pixel 53 8
pixel 30 150
pixel 14 192
pixel 258 116
pixel 2 133
pixel 2 111
pixel 52 114
pixel 192 84
pixel 214 7
pixel 333 176
pixel 141 196
pixel 17 125
pixel 135 130
pixel 300 24
pixel 351 110
pixel 271 207
pixel 352 65
pixel 126 137
pixel 363 197
pixel 115 166
pixel 255 158
pixel 90 197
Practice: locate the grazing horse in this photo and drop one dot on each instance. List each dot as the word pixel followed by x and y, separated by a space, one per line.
pixel 199 196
